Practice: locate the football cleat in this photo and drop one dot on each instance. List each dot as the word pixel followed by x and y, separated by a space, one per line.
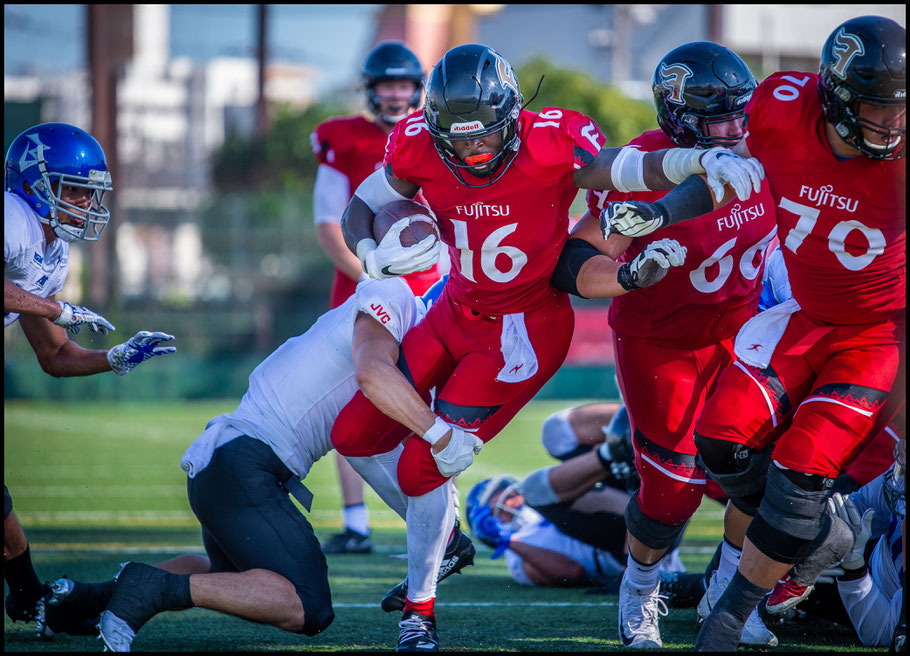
pixel 682 589
pixel 350 541
pixel 786 594
pixel 115 633
pixel 638 617
pixel 418 633
pixel 21 611
pixel 755 633
pixel 57 613
pixel 458 555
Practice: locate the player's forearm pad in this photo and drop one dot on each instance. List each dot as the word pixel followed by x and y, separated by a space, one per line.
pixel 574 254
pixel 690 199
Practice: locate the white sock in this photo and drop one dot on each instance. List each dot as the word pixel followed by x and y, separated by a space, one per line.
pixel 356 518
pixel 729 561
pixel 429 523
pixel 381 473
pixel 641 577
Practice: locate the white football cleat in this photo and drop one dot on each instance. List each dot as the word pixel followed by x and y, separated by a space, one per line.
pixel 638 617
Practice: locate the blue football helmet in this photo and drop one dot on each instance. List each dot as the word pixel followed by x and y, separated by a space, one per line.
pixel 490 519
pixel 47 157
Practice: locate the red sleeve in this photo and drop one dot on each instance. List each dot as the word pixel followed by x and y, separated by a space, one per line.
pixel 410 150
pixel 585 136
pixel 323 141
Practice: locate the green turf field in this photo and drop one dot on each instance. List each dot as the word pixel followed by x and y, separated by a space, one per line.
pixel 95 485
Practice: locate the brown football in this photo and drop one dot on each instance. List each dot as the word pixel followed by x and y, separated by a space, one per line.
pixel 403 209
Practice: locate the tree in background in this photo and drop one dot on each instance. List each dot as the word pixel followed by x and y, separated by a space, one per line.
pixel 620 118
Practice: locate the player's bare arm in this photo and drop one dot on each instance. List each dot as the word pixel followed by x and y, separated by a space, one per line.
pixel 388 258
pixel 57 354
pixel 375 354
pixel 690 199
pixel 16 299
pixel 587 266
pixel 547 567
pixel 630 169
pixel 332 242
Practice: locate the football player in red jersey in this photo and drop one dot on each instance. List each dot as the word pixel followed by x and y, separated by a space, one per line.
pixel 672 341
pixel 500 181
pixel 812 374
pixel 349 149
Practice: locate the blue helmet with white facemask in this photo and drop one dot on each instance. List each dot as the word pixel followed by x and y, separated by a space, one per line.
pixel 43 160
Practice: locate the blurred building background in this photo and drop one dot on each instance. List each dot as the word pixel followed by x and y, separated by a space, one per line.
pixel 213 241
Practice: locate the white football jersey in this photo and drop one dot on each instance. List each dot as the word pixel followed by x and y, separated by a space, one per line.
pixel 31 264
pixel 874 601
pixel 296 393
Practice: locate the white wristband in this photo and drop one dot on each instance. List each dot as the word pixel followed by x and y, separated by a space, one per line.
pixel 628 170
pixel 680 163
pixel 436 431
pixel 363 247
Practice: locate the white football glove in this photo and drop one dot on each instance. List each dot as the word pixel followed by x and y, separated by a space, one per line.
pixel 73 316
pixel 651 265
pixel 459 452
pixel 390 258
pixel 723 166
pixel 828 575
pixel 631 218
pixel 138 348
pixel 861 528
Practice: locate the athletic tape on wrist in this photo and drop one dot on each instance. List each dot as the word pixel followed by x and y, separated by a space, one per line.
pixel 680 163
pixel 628 170
pixel 435 432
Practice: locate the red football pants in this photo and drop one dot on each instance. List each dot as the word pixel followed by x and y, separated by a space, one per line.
pixel 664 390
pixel 833 380
pixel 460 354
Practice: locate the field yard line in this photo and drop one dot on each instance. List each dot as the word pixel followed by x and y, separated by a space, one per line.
pixel 545 604
pixel 123 547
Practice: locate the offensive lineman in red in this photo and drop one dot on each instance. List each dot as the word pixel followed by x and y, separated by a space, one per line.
pixel 825 361
pixel 500 329
pixel 348 149
pixel 672 341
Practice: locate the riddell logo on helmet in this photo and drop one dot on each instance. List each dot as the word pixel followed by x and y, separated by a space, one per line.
pixel 900 93
pixel 461 128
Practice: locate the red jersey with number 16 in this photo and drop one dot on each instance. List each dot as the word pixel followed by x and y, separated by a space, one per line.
pixel 504 239
pixel 841 222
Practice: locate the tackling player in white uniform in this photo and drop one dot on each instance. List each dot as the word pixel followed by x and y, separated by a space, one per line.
pixel 56 178
pixel 240 473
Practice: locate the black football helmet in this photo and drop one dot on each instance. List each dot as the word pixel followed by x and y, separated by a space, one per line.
pixel 865 61
pixel 698 84
pixel 391 61
pixel 473 92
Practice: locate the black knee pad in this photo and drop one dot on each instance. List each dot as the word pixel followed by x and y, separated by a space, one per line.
pixel 795 502
pixel 739 470
pixel 832 544
pixel 774 543
pixel 650 532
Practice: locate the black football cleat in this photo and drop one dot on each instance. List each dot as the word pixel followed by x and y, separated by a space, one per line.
pixel 348 542
pixel 59 611
pixel 418 633
pixel 458 555
pixel 19 610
